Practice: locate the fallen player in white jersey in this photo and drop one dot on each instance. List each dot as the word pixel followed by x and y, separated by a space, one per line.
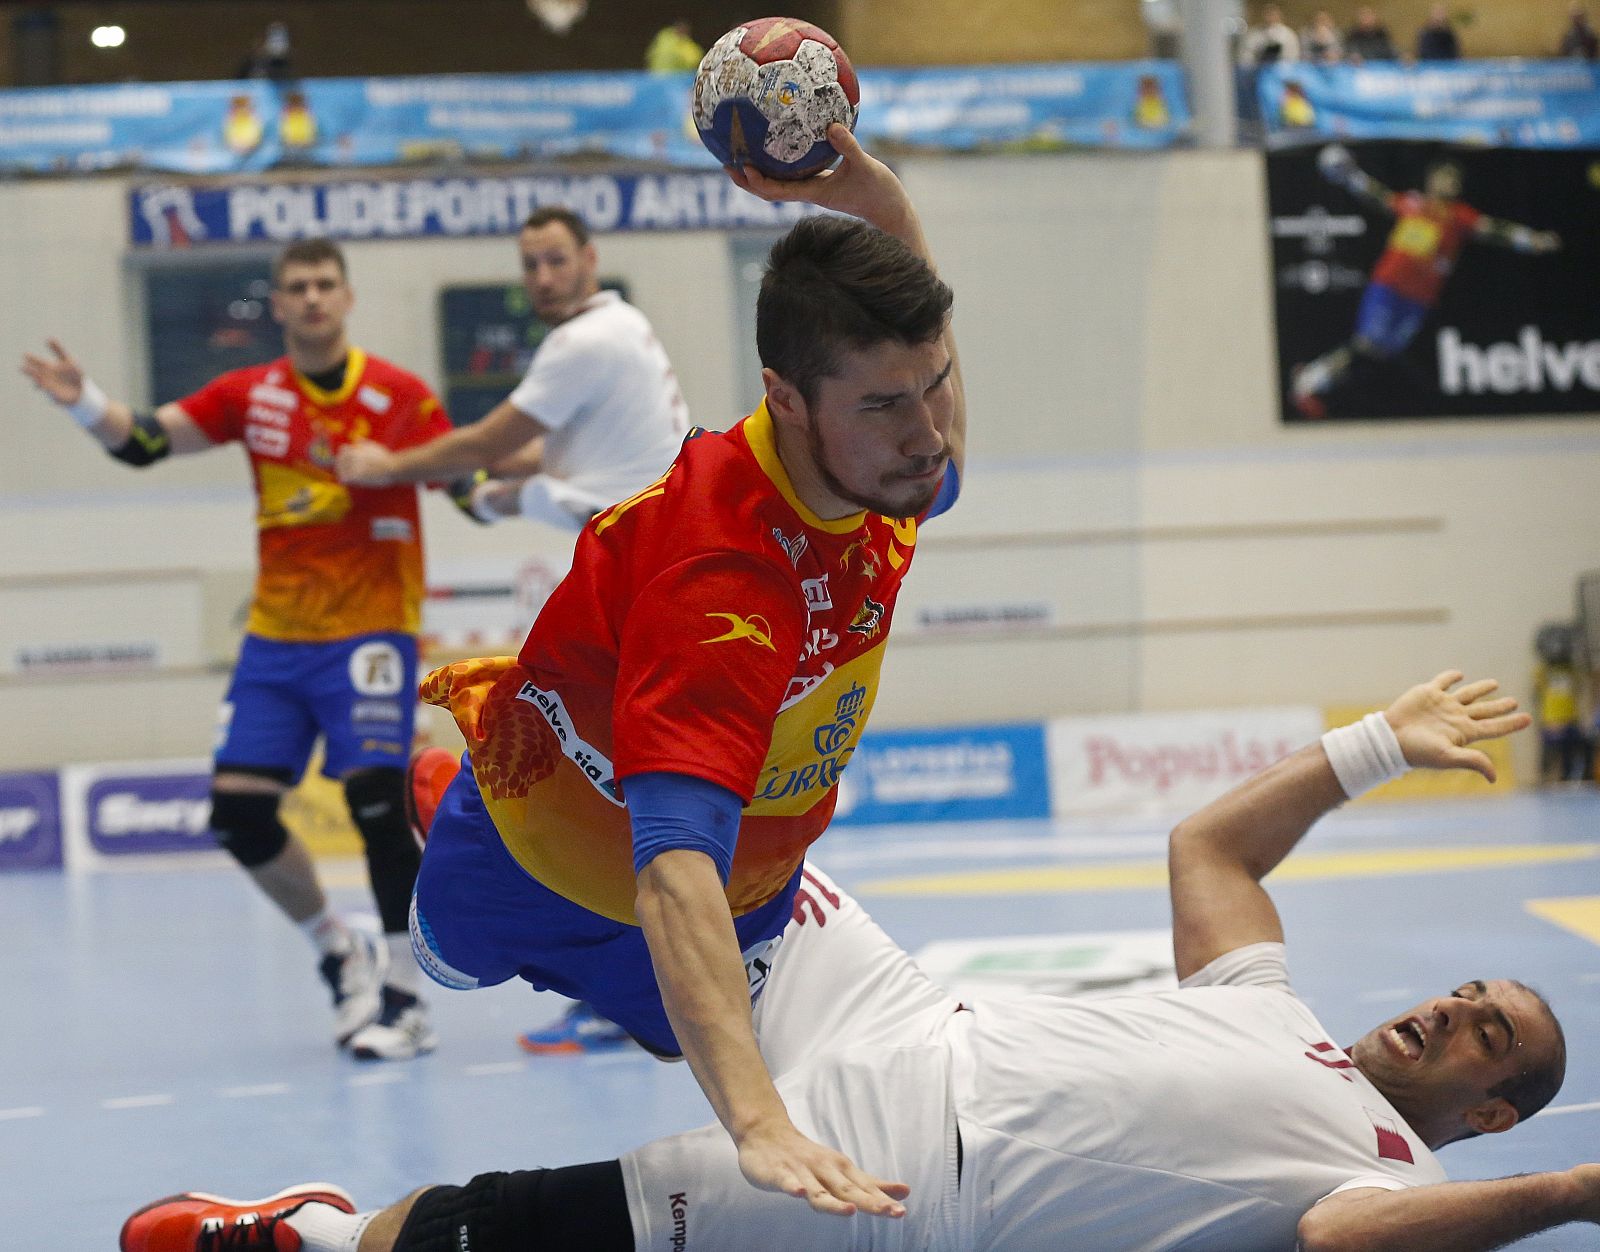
pixel 1217 1116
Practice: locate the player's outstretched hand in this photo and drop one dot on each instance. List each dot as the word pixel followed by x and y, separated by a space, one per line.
pixel 780 1158
pixel 860 185
pixel 363 463
pixel 1435 724
pixel 60 378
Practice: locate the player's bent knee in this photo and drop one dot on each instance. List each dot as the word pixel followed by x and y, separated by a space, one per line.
pixel 246 824
pixel 377 804
pixel 538 1210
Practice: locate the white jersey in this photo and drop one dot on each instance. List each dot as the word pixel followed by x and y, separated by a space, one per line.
pixel 1209 1117
pixel 602 387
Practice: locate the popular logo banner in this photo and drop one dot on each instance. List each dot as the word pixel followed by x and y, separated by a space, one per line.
pixel 243 127
pixel 30 821
pixel 1531 104
pixel 1422 280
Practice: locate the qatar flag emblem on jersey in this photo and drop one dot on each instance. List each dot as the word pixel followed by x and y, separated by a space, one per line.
pixel 1392 1145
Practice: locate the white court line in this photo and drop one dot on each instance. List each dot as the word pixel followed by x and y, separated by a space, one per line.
pixel 379 1079
pixel 263 1089
pixel 136 1102
pixel 1387 993
pixel 14 1115
pixel 494 1067
pixel 1572 1108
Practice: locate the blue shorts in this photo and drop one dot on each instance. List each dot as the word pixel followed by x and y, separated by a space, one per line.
pixel 478 918
pixel 1388 321
pixel 359 694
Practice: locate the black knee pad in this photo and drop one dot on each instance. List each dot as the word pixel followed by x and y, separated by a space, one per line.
pixel 246 824
pixel 377 807
pixel 582 1208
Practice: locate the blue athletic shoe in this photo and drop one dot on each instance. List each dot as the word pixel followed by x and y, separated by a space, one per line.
pixel 581 1030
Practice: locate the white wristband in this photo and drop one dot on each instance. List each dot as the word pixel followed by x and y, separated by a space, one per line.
pixel 90 406
pixel 1365 754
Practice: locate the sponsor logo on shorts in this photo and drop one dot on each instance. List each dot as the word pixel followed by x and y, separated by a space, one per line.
pixel 595 765
pixel 386 711
pixel 754 628
pixel 376 669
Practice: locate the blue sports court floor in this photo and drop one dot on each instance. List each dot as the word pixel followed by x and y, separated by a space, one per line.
pixel 162 1029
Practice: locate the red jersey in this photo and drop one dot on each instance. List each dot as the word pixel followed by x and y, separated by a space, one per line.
pixel 1423 246
pixel 712 625
pixel 335 561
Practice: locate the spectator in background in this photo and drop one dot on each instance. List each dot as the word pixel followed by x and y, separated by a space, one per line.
pixel 1579 39
pixel 1436 40
pixel 673 50
pixel 270 59
pixel 1271 41
pixel 1368 39
pixel 1320 42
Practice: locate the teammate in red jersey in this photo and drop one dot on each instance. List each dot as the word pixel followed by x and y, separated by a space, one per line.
pixel 330 648
pixel 1431 227
pixel 643 780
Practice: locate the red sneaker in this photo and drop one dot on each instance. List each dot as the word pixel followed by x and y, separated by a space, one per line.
pixel 430 772
pixel 195 1222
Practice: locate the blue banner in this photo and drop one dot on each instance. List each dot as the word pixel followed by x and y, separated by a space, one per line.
pixel 30 821
pixel 174 215
pixel 245 127
pixel 138 812
pixel 955 773
pixel 1507 104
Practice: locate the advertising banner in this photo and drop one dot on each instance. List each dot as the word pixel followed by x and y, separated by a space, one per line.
pixel 1167 762
pixel 245 127
pixel 956 773
pixel 30 821
pixel 114 811
pixel 1529 104
pixel 1422 280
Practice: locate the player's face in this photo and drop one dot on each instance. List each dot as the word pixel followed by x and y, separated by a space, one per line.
pixel 557 271
pixel 879 433
pixel 1444 183
pixel 311 302
pixel 1439 1060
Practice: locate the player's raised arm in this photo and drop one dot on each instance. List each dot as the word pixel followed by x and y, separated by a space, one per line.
pixel 864 187
pixel 1340 168
pixel 1218 857
pixel 1452 1216
pixel 136 439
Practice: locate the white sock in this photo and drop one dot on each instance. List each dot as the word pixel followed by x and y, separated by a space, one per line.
pixel 403 972
pixel 328 933
pixel 323 1228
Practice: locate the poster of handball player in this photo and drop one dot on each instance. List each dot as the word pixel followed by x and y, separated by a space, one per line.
pixel 1430 280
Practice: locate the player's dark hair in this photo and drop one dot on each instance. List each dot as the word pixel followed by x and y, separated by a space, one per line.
pixel 1536 1086
pixel 308 252
pixel 834 283
pixel 555 213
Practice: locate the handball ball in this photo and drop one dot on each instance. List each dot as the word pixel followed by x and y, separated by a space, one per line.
pixel 766 93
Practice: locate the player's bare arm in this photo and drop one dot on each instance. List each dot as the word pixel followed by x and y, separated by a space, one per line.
pixel 1452 1216
pixel 704 988
pixel 1340 168
pixel 504 431
pixel 111 422
pixel 864 187
pixel 1218 857
pixel 1517 237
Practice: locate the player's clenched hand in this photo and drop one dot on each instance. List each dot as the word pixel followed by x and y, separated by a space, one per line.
pixel 363 464
pixel 60 378
pixel 860 185
pixel 780 1158
pixel 1434 724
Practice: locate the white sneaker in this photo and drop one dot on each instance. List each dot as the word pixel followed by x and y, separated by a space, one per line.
pixel 356 980
pixel 402 1030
